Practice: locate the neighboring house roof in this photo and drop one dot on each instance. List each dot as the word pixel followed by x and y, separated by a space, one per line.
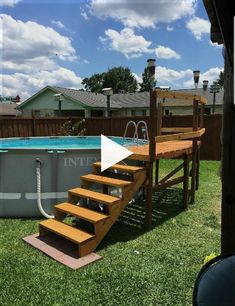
pixel 131 100
pixel 8 109
pixel 90 99
pixel 141 99
pixel 117 101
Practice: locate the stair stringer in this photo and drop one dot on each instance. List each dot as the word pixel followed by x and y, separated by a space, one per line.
pixel 102 228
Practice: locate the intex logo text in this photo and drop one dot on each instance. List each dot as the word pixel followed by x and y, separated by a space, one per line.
pixel 79 161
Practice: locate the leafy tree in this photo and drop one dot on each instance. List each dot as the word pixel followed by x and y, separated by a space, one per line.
pixel 146 84
pixel 120 79
pixel 69 128
pixel 94 83
pixel 220 80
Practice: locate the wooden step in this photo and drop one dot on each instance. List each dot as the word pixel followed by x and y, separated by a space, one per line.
pixel 95 196
pixel 81 212
pixel 121 167
pixel 106 180
pixel 73 234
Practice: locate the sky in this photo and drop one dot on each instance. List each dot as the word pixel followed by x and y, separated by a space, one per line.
pixel 59 43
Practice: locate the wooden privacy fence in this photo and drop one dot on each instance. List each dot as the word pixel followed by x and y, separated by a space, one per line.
pixel 28 127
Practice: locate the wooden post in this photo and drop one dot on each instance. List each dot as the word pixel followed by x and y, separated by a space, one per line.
pixel 199 149
pixel 195 146
pixel 33 125
pixel 185 182
pixel 202 116
pixel 157 171
pixel 159 119
pixel 152 149
pixel 158 132
pixel 228 164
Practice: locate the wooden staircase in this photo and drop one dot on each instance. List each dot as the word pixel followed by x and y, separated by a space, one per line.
pixel 127 178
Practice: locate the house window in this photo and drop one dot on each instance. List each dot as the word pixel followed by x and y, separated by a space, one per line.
pixel 133 112
pixel 36 113
pixel 207 110
pixel 167 112
pixel 144 112
pixel 96 113
pixel 70 113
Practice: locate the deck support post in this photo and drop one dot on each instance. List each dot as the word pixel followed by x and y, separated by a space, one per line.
pixel 152 157
pixel 197 168
pixel 157 171
pixel 149 204
pixel 202 108
pixel 195 148
pixel 186 181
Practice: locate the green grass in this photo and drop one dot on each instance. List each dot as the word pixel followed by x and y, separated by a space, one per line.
pixel 157 267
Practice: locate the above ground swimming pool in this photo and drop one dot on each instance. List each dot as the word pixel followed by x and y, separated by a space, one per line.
pixel 63 160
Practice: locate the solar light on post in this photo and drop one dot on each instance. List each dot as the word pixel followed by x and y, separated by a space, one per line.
pixel 59 97
pixel 151 70
pixel 108 92
pixel 196 75
pixel 215 88
pixel 205 85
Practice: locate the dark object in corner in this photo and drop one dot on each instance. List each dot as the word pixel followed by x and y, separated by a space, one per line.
pixel 215 282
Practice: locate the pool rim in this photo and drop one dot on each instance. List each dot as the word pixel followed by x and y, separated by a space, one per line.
pixel 6 149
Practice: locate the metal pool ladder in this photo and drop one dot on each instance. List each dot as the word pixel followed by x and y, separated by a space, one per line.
pixel 144 130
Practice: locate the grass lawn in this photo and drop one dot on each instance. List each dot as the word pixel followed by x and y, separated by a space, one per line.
pixel 157 267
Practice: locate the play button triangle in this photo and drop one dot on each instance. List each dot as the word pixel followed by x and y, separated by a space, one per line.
pixel 112 153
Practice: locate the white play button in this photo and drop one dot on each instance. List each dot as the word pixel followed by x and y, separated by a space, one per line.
pixel 112 153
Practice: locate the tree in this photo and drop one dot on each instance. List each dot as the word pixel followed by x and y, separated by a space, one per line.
pixel 120 79
pixel 94 83
pixel 69 128
pixel 220 80
pixel 146 84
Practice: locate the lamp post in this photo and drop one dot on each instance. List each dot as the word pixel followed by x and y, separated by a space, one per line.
pixel 205 84
pixel 196 75
pixel 151 70
pixel 215 88
pixel 59 97
pixel 108 92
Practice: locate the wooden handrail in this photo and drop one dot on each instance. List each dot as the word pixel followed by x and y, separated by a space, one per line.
pixel 179 95
pixel 176 129
pixel 180 136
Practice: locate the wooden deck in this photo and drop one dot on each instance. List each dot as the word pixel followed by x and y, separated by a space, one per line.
pixel 168 149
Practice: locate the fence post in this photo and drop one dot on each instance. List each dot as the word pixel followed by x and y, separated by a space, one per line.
pixel 33 125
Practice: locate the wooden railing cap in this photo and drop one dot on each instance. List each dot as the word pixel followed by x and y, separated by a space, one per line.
pixel 170 94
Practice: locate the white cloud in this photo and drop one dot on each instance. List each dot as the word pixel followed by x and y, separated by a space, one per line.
pixel 126 42
pixel 198 27
pixel 211 75
pixel 30 46
pixel 141 13
pixel 215 45
pixel 137 77
pixel 84 14
pixel 86 61
pixel 166 76
pixel 11 3
pixel 58 23
pixel 166 53
pixel 30 65
pixel 168 28
pixel 25 85
pixel 182 78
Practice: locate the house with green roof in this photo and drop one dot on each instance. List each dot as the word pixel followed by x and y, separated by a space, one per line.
pixel 87 104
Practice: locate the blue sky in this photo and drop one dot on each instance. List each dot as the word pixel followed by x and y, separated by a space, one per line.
pixel 59 42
